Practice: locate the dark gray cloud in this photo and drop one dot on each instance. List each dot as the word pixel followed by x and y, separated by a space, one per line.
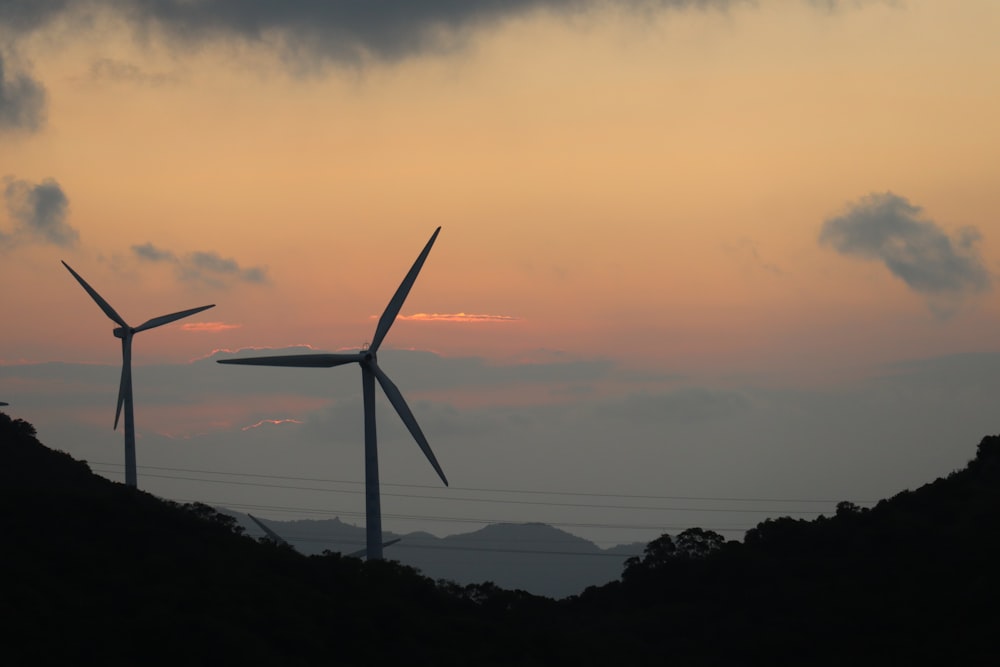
pixel 150 252
pixel 335 30
pixel 38 212
pixel 305 33
pixel 203 266
pixel 22 100
pixel 888 228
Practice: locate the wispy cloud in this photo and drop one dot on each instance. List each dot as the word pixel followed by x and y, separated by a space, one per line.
pixel 39 213
pixel 210 327
pixel 150 252
pixel 207 267
pixel 271 422
pixel 119 71
pixel 888 228
pixel 22 100
pixel 225 352
pixel 457 317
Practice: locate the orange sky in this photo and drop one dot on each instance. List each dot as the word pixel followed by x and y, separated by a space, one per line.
pixel 609 181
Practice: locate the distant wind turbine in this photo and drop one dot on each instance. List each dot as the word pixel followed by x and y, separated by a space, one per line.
pixel 361 553
pixel 267 531
pixel 370 372
pixel 125 332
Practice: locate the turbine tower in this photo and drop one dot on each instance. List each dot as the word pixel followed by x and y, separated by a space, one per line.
pixel 370 372
pixel 125 332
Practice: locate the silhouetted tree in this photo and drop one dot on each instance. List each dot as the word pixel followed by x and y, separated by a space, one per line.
pixel 212 515
pixel 698 543
pixel 655 555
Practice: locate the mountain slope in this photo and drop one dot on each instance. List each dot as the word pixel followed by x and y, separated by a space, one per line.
pixel 94 571
pixel 911 580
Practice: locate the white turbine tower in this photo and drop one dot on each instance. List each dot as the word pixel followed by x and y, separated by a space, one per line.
pixel 370 372
pixel 125 332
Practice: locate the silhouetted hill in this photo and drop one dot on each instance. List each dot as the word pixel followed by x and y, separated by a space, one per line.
pixel 97 572
pixel 533 557
pixel 912 580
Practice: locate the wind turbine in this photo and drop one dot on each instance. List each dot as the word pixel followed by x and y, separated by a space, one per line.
pixel 370 372
pixel 125 332
pixel 277 539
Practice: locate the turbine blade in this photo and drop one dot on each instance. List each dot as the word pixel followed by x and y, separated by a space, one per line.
pixel 172 317
pixel 363 553
pixel 123 384
pixel 396 398
pixel 121 395
pixel 298 360
pixel 267 531
pixel 392 310
pixel 105 306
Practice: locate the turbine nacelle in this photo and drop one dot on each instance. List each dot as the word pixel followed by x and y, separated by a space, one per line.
pixel 122 332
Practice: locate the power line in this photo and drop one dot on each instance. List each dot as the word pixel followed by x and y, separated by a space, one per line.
pixel 493 500
pixel 473 489
pixel 451 519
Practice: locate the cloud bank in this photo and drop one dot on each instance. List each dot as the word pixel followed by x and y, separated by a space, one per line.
pixel 888 228
pixel 860 441
pixel 345 31
pixel 305 34
pixel 38 211
pixel 207 267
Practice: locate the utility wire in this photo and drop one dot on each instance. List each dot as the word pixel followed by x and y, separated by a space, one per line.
pixel 476 489
pixel 492 500
pixel 452 519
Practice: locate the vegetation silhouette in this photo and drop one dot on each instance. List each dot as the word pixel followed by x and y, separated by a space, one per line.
pixel 97 571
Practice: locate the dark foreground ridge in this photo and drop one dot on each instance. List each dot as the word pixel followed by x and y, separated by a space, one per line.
pixel 94 571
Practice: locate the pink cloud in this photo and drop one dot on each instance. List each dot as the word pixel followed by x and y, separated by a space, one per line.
pixel 275 422
pixel 457 317
pixel 211 327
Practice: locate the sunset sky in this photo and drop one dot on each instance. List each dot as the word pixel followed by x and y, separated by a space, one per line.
pixel 731 251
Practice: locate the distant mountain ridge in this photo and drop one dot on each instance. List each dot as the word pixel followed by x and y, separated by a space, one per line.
pixel 533 557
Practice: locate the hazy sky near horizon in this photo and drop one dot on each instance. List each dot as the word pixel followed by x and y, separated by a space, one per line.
pixel 688 249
